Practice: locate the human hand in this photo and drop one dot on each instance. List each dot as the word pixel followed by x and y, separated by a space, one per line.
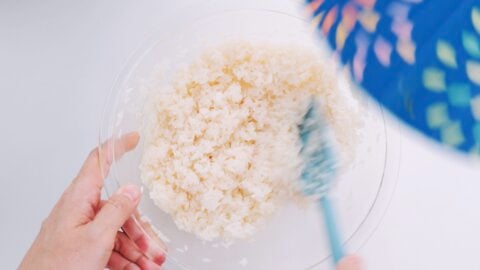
pixel 350 262
pixel 83 232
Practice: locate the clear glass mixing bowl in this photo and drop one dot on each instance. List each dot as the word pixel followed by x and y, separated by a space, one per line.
pixel 294 238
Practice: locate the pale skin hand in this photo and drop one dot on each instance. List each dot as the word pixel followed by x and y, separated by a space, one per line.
pixel 83 232
pixel 350 262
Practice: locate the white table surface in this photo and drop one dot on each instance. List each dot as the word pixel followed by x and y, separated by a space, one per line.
pixel 58 58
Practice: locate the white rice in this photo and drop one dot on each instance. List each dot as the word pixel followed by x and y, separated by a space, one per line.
pixel 222 149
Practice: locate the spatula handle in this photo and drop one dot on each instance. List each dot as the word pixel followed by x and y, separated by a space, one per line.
pixel 332 229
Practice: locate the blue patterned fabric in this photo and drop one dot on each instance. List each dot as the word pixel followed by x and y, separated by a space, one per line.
pixel 418 58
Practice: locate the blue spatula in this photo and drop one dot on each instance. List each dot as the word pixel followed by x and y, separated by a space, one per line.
pixel 319 171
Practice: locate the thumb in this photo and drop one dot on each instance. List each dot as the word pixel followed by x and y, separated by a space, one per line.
pixel 117 210
pixel 350 262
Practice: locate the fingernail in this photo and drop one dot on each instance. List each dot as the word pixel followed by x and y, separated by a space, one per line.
pixel 159 259
pixel 131 191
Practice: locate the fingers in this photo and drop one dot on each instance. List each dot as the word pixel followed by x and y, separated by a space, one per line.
pixel 350 262
pixel 118 262
pixel 144 241
pixel 151 232
pixel 98 162
pixel 81 198
pixel 135 241
pixel 89 180
pixel 116 211
pixel 130 251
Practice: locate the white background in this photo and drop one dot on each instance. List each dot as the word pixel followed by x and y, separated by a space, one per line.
pixel 58 59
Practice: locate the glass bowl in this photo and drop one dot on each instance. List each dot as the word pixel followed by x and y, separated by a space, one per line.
pixel 295 237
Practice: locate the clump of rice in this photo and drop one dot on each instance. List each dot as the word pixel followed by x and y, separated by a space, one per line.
pixel 222 146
